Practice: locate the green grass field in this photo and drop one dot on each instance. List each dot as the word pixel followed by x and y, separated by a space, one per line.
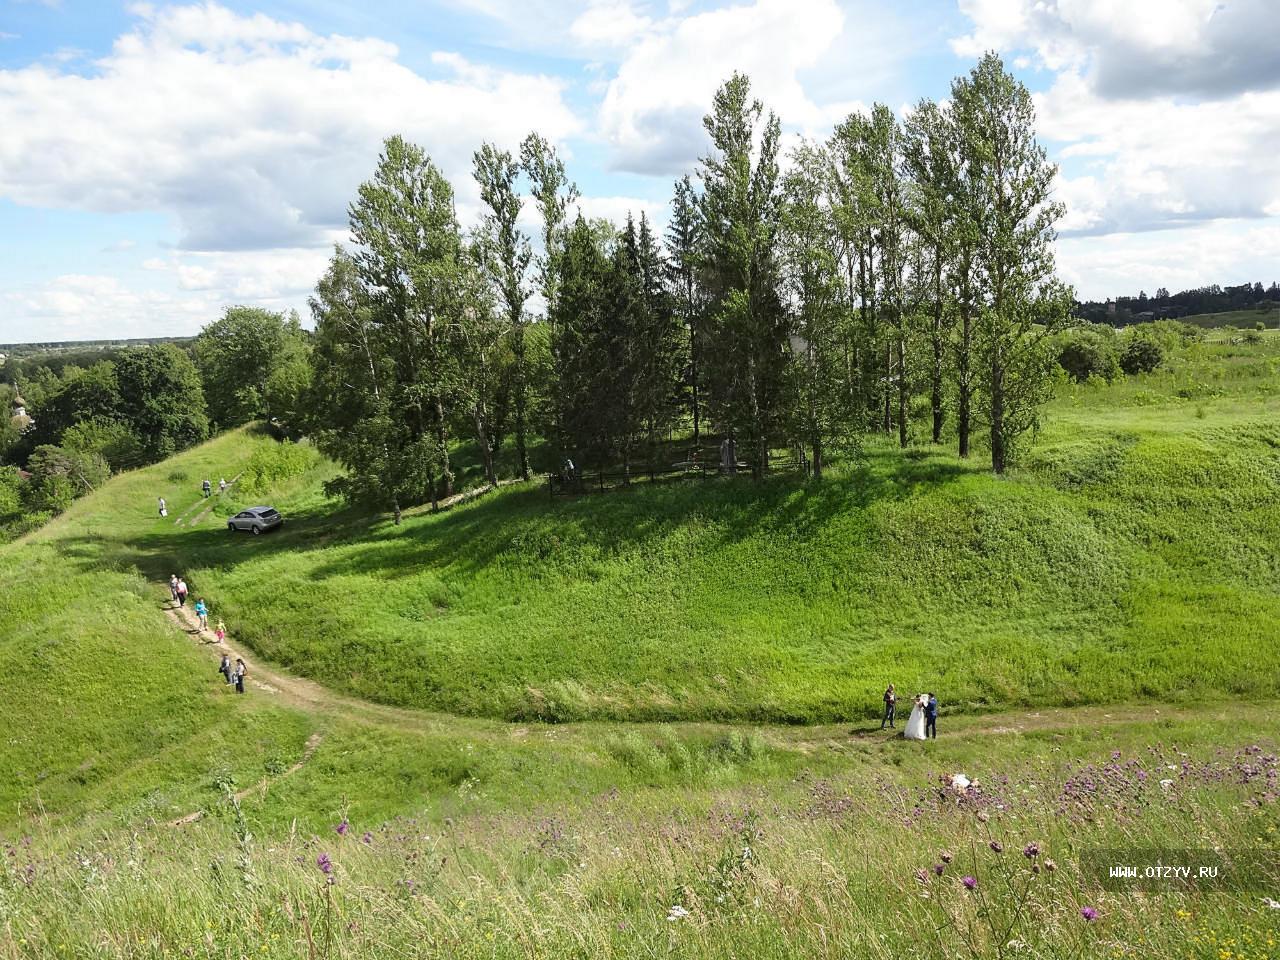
pixel 1127 572
pixel 1133 556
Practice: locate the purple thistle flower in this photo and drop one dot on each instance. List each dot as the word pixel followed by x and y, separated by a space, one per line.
pixel 1031 850
pixel 343 827
pixel 1089 913
pixel 970 883
pixel 938 868
pixel 996 846
pixel 325 864
pixel 946 856
pixel 368 837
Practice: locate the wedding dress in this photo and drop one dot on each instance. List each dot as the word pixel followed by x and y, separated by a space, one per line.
pixel 915 724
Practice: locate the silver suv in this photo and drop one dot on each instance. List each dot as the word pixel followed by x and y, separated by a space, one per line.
pixel 256 520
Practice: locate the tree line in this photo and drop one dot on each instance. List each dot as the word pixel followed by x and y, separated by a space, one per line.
pixel 1163 305
pixel 88 414
pixel 896 278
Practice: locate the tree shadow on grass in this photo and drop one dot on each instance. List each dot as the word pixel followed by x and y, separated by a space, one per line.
pixel 526 525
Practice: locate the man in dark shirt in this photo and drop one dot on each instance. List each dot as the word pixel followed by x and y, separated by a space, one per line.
pixel 931 717
pixel 890 707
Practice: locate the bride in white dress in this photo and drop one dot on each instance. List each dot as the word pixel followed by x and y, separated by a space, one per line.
pixel 915 723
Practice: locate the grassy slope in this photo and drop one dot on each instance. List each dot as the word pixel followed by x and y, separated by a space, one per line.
pixel 1133 556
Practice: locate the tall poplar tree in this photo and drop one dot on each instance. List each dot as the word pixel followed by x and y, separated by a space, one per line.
pixel 747 325
pixel 506 255
pixel 684 235
pixel 1011 183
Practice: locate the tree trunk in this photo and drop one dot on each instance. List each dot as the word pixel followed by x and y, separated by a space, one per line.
pixel 817 456
pixel 482 440
pixel 517 348
pixel 964 381
pixel 903 399
pixel 693 375
pixel 886 422
pixel 935 392
pixel 442 446
pixel 395 508
pixel 997 411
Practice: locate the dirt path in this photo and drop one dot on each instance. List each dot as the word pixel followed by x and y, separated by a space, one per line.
pixel 208 501
pixel 313 697
pixel 308 749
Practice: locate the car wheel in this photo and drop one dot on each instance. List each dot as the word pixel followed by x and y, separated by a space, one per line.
pixel 256 529
pixel 231 527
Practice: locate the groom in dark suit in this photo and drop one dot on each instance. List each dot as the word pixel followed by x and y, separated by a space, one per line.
pixel 931 717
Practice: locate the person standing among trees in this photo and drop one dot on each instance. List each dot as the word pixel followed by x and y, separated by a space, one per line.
pixel 890 707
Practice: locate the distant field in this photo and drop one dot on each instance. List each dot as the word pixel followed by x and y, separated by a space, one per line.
pixel 1240 319
pixel 1133 556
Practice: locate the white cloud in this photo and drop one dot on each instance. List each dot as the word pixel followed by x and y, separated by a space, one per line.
pixel 88 307
pixel 253 132
pixel 1223 251
pixel 653 108
pixel 1146 164
pixel 609 23
pixel 1136 47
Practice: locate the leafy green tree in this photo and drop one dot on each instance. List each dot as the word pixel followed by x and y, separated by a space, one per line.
pixel 161 399
pixel 1141 355
pixel 823 411
pixel 1088 351
pixel 661 341
pixel 931 165
pixel 684 237
pixel 506 254
pixel 78 396
pixel 59 475
pixel 357 418
pixel 1022 301
pixel 111 439
pixel 580 346
pixel 409 248
pixel 747 324
pixel 237 355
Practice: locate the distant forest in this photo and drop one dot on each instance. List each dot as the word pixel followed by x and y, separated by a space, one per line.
pixel 1164 305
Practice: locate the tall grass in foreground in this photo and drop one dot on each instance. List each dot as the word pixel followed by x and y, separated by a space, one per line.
pixel 857 865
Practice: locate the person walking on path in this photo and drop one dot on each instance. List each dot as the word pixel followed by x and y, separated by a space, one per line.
pixel 182 592
pixel 931 717
pixel 202 612
pixel 222 485
pixel 208 488
pixel 224 668
pixel 220 631
pixel 164 507
pixel 173 587
pixel 239 674
pixel 890 707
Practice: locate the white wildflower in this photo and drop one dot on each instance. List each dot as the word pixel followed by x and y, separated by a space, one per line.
pixel 1271 904
pixel 960 782
pixel 1166 784
pixel 677 912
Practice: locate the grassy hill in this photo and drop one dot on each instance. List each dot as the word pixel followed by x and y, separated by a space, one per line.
pixel 1133 556
pixel 1130 561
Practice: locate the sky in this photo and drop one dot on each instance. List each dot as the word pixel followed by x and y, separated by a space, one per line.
pixel 161 161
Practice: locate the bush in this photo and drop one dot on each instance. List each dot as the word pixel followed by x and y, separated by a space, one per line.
pixel 1089 352
pixel 1141 355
